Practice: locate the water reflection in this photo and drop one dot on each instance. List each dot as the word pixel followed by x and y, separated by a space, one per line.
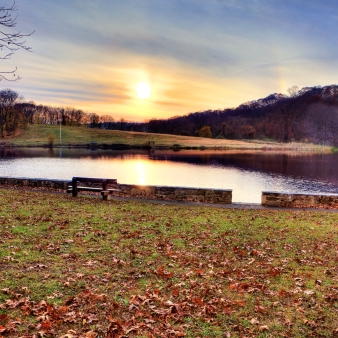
pixel 140 171
pixel 247 173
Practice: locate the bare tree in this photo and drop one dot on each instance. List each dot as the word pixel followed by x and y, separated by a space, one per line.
pixel 10 117
pixel 293 91
pixel 94 120
pixel 106 118
pixel 10 42
pixel 321 124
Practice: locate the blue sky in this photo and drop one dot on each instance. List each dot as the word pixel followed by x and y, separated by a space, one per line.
pixel 194 54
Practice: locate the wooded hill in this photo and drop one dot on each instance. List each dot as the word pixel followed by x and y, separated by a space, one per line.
pixel 306 115
pixel 310 114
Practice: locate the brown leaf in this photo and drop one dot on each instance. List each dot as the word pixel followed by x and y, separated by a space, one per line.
pixel 274 272
pixel 198 301
pixel 115 329
pixel 254 252
pixel 240 302
pixel 263 328
pixel 254 321
pixel 199 272
pixel 176 333
pixel 6 290
pixel 69 335
pixel 2 329
pixel 260 309
pixel 175 293
pixel 3 317
pixel 161 272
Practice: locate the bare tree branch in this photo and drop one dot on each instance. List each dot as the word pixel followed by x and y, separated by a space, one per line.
pixel 10 42
pixel 3 77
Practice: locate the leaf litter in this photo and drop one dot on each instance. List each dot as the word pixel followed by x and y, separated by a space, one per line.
pixel 87 268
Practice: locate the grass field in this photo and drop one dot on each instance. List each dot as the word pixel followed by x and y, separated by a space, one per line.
pixel 91 268
pixel 37 135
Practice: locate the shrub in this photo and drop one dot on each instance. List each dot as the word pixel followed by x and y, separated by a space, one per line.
pixel 51 140
pixel 205 132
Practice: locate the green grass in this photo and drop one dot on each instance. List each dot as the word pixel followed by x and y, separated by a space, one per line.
pixel 37 135
pixel 147 269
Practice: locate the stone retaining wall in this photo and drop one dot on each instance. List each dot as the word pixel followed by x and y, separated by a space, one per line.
pixel 269 198
pixel 295 200
pixel 34 182
pixel 178 193
pixel 150 192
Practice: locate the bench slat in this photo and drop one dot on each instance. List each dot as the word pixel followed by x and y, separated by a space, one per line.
pixel 69 189
pixel 89 189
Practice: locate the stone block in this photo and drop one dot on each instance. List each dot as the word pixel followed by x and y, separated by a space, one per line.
pixel 135 191
pixel 150 191
pixel 274 199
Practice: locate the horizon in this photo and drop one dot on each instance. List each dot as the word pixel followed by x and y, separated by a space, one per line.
pixel 192 56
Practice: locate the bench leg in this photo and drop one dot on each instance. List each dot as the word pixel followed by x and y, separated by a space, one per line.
pixel 74 187
pixel 104 188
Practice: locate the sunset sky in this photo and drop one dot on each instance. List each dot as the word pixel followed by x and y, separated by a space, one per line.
pixel 193 54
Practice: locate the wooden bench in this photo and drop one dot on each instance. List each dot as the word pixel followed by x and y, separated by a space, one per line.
pixel 102 186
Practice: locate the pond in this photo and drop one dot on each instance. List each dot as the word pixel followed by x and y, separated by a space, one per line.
pixel 248 173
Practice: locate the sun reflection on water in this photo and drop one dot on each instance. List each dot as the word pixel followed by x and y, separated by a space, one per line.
pixel 140 172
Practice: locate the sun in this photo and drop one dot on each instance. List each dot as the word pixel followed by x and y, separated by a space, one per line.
pixel 143 90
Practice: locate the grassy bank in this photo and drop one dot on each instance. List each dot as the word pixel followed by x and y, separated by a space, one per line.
pixel 85 267
pixel 37 135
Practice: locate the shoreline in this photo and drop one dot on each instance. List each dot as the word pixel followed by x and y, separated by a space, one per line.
pixel 300 204
pixel 117 146
pixel 39 136
pixel 234 205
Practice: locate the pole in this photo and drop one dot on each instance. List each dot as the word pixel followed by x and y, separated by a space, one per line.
pixel 60 134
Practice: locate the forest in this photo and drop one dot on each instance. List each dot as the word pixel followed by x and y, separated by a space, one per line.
pixel 306 115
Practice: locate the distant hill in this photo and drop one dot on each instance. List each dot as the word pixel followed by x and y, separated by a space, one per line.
pixel 308 114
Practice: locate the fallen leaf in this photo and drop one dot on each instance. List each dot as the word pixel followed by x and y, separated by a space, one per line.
pixel 254 321
pixel 263 328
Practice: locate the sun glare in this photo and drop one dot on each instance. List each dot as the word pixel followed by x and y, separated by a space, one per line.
pixel 143 90
pixel 140 172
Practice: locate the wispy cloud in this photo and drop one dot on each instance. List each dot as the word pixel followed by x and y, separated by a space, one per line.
pixel 196 54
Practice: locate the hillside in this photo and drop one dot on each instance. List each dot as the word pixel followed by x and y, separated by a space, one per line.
pixel 38 134
pixel 310 114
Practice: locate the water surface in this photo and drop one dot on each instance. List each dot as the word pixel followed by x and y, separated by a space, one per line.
pixel 247 173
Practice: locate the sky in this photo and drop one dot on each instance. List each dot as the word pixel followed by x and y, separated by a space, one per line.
pixel 195 55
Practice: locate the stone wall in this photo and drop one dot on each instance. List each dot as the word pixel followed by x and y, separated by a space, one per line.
pixel 222 196
pixel 177 193
pixel 294 200
pixel 34 182
pixel 150 192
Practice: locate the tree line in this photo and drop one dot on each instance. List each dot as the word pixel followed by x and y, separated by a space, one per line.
pixel 15 114
pixel 306 115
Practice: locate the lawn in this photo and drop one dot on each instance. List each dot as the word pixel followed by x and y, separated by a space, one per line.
pixel 90 268
pixel 37 135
